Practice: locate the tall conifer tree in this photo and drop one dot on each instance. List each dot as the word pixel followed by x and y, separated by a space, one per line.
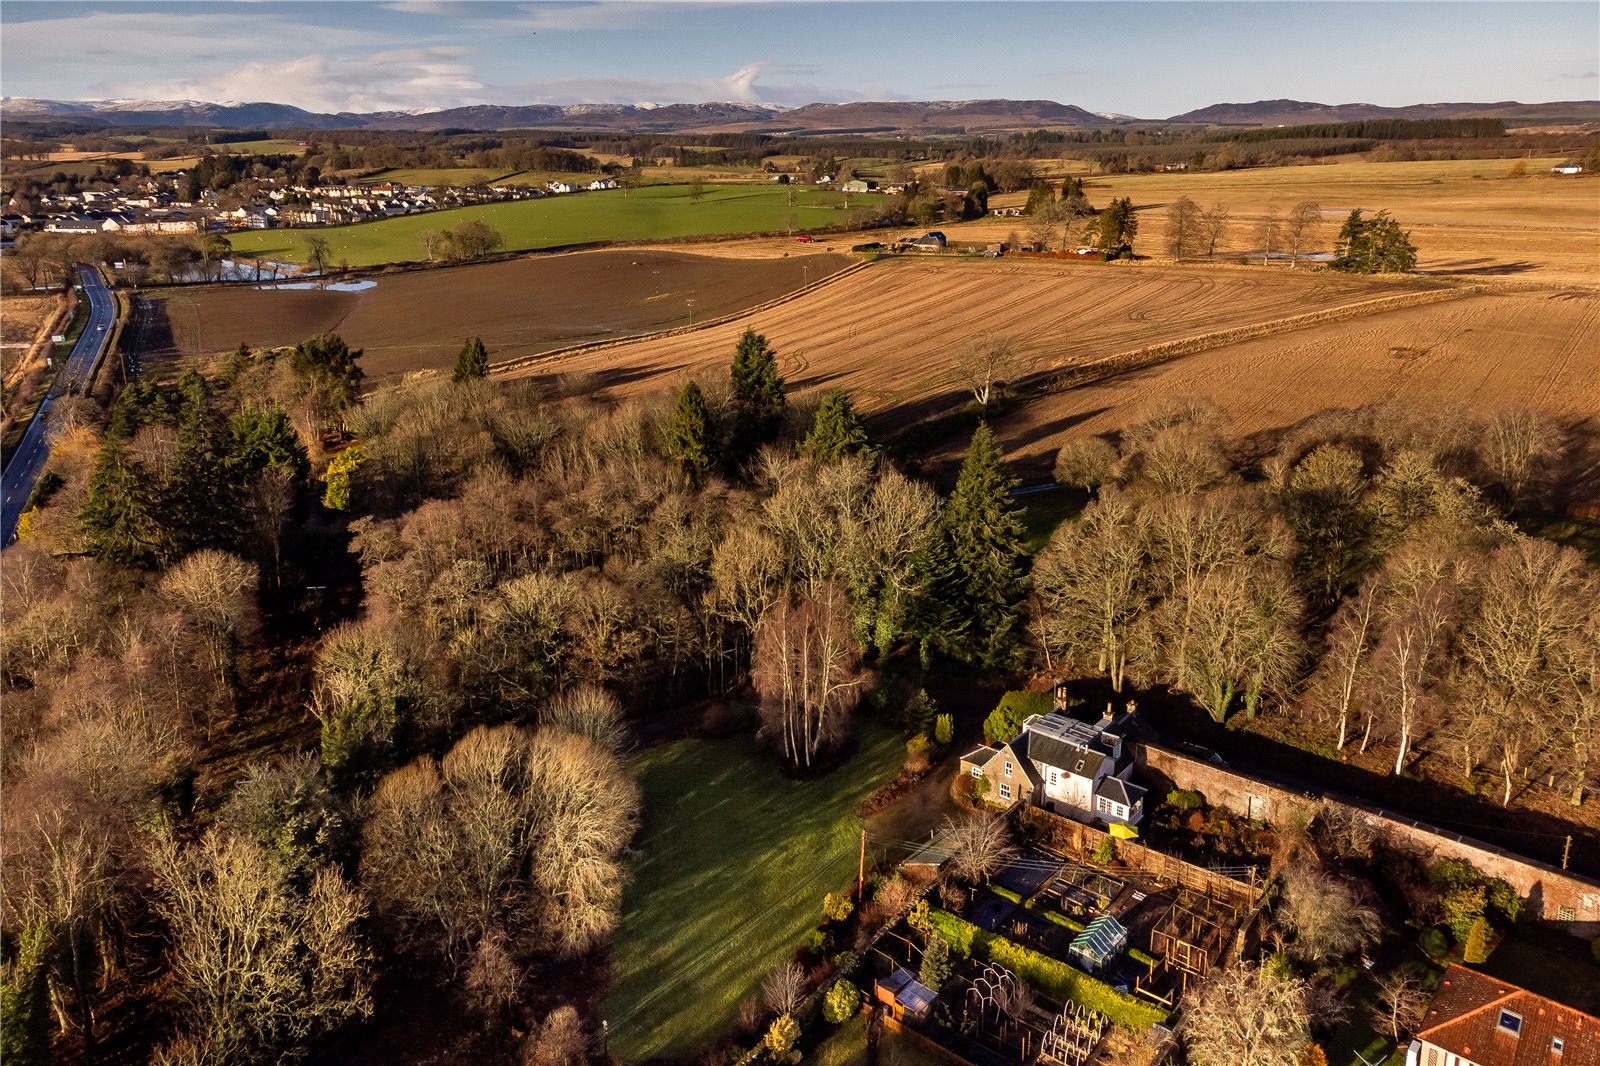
pixel 757 395
pixel 689 435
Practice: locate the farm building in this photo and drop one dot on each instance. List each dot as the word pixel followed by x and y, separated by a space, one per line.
pixel 932 241
pixel 859 185
pixel 1101 941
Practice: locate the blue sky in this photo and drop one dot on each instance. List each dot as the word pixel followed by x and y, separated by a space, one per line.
pixel 1146 59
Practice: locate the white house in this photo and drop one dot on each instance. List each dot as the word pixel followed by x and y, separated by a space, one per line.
pixel 560 187
pixel 603 183
pixel 1065 765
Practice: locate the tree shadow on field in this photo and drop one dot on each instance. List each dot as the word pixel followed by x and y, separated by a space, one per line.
pixel 154 333
pixel 598 381
pixel 1484 268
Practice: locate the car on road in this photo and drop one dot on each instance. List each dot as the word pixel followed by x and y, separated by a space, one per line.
pixel 805 238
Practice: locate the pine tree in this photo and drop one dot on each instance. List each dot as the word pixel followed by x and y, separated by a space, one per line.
pixel 325 362
pixel 117 518
pixel 199 498
pixel 757 395
pixel 984 533
pixel 472 361
pixel 1375 245
pixel 935 970
pixel 935 616
pixel 688 438
pixel 836 431
pixel 260 437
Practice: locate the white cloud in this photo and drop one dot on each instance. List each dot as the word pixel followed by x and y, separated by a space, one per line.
pixel 392 80
pixel 745 85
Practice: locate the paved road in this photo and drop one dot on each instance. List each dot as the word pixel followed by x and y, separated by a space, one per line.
pixel 34 450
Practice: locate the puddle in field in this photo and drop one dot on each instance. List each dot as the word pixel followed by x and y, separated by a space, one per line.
pixel 330 286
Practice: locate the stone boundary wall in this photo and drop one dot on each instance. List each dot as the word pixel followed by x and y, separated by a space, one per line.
pixel 1566 900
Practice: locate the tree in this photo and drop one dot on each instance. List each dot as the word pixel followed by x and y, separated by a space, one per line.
pixel 472 361
pixel 1300 228
pixel 1401 1005
pixel 120 519
pixel 337 478
pixel 1040 196
pixel 1116 227
pixel 1213 225
pixel 805 669
pixel 979 845
pixel 781 1039
pixel 1324 915
pixel 317 253
pixel 757 399
pixel 1246 1016
pixel 1185 224
pixel 328 368
pixel 265 967
pixel 836 431
pixel 473 239
pixel 1518 448
pixel 1093 585
pixel 1375 245
pixel 1269 233
pixel 1475 951
pixel 689 435
pixel 217 591
pixel 841 1003
pixel 936 968
pixel 1085 463
pixel 557 1042
pixel 512 832
pixel 588 711
pixel 261 438
pixel 1347 664
pixel 983 529
pixel 1324 500
pixel 784 988
pixel 985 366
pixel 1411 656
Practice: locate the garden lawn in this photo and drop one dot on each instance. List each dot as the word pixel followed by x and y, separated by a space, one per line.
pixel 734 859
pixel 651 212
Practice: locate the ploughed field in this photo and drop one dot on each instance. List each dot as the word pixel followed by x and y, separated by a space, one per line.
pixel 892 334
pixel 417 321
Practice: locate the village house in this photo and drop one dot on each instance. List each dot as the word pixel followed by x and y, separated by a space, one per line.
pixel 561 187
pixel 1478 1020
pixel 1064 765
pixel 603 183
pixel 932 241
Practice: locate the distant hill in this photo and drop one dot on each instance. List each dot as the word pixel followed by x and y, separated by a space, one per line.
pixel 1302 112
pixel 890 118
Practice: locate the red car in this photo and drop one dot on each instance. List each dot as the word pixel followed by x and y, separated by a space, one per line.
pixel 805 239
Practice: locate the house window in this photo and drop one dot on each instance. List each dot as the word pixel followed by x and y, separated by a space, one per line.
pixel 1055 777
pixel 1008 767
pixel 1566 914
pixel 1005 791
pixel 1511 1022
pixel 1557 1045
pixel 977 771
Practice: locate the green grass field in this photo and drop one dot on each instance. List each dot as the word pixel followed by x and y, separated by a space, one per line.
pixel 734 859
pixel 437 176
pixel 652 212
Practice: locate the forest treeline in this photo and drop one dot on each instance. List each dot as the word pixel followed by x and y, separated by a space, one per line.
pixel 544 574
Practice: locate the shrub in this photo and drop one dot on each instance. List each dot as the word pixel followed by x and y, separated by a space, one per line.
pixel 1104 852
pixel 1063 920
pixel 1185 799
pixel 781 1039
pixel 944 730
pixel 818 942
pixel 1005 893
pixel 1476 949
pixel 917 749
pixel 1005 721
pixel 1053 977
pixel 837 906
pixel 1433 943
pixel 841 1002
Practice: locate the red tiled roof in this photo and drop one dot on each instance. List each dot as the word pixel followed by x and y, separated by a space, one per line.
pixel 1464 1018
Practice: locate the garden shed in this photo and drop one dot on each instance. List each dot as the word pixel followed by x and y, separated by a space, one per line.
pixel 1101 941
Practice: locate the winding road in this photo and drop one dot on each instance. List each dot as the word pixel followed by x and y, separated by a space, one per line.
pixel 34 449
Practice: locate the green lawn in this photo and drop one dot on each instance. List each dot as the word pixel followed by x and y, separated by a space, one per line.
pixel 1042 512
pixel 734 859
pixel 651 212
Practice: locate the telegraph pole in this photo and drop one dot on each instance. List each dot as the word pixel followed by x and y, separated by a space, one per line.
pixel 861 870
pixel 1566 851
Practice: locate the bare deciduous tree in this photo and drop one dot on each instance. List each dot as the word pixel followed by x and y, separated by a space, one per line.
pixel 588 711
pixel 1185 228
pixel 1213 226
pixel 806 669
pixel 1518 447
pixel 264 968
pixel 1269 233
pixel 1300 228
pixel 987 365
pixel 1412 657
pixel 558 1041
pixel 1246 1016
pixel 980 844
pixel 1401 1005
pixel 784 988
pixel 1324 915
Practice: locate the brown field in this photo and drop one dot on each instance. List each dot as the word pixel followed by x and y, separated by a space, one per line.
pixel 1483 352
pixel 891 335
pixel 417 320
pixel 1465 217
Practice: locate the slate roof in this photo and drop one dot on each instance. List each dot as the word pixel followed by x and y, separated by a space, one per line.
pixel 1464 1019
pixel 979 755
pixel 1117 790
pixel 1063 755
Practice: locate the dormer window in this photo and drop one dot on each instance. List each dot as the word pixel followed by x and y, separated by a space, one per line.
pixel 1557 1045
pixel 1510 1022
